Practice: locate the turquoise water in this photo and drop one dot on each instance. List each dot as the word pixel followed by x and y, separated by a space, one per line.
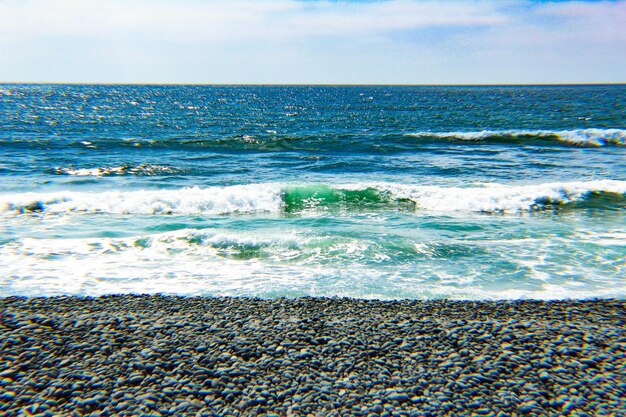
pixel 372 192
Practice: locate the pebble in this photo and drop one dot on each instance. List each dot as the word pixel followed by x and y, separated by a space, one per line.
pixel 195 356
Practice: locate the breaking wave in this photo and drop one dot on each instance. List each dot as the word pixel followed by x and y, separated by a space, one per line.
pixel 137 170
pixel 359 141
pixel 576 137
pixel 298 198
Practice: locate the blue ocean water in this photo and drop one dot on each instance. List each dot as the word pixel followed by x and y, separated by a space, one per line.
pixel 360 191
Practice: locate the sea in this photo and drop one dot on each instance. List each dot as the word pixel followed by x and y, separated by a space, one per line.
pixel 377 192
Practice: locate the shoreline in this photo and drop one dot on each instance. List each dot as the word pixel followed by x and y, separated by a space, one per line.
pixel 194 356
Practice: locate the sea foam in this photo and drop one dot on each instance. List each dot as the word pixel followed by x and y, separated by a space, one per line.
pixel 579 137
pixel 275 198
pixel 137 170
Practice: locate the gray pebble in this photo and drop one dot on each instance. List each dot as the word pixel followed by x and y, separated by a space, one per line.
pixel 142 355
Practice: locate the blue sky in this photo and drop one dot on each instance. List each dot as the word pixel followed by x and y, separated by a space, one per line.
pixel 328 42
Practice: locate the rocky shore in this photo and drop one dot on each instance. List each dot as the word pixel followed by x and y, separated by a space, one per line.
pixel 176 356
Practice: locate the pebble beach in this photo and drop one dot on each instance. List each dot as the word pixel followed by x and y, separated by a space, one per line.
pixel 140 355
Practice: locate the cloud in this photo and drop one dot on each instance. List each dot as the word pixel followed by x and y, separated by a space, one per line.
pixel 232 20
pixel 395 41
pixel 565 42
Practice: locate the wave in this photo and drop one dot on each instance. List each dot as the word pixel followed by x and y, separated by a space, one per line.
pixel 291 263
pixel 136 170
pixel 301 198
pixel 497 198
pixel 576 137
pixel 194 200
pixel 315 197
pixel 357 141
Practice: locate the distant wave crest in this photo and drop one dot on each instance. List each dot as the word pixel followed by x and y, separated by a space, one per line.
pixel 137 170
pixel 576 137
pixel 300 198
pixel 326 142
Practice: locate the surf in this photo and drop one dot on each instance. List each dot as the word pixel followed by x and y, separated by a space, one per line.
pixel 310 198
pixel 593 137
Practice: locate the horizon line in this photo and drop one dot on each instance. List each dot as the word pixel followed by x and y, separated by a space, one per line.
pixel 314 84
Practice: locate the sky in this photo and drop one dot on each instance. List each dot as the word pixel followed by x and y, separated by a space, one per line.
pixel 313 42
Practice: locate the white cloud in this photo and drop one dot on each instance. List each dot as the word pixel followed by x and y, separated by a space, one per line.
pixel 227 20
pixel 563 42
pixel 403 41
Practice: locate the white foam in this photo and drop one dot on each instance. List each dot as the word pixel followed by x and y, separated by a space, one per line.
pixel 267 198
pixel 497 198
pixel 173 263
pixel 182 262
pixel 144 169
pixel 594 137
pixel 299 262
pixel 581 137
pixel 90 172
pixel 207 201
